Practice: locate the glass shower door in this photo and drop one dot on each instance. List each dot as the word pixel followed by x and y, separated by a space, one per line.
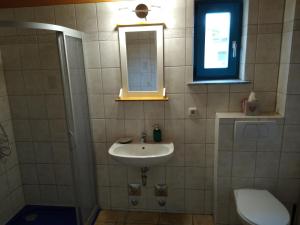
pixel 77 109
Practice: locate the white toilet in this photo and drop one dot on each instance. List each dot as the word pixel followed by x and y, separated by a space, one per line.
pixel 260 207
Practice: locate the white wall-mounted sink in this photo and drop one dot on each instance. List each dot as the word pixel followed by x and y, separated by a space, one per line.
pixel 141 155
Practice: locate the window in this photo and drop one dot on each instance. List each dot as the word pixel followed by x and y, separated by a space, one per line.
pixel 217 40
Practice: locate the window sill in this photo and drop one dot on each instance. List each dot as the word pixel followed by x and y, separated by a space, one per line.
pixel 162 98
pixel 236 81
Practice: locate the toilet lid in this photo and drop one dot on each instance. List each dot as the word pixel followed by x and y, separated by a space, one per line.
pixel 260 207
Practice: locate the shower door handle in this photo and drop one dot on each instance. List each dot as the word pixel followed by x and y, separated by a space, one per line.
pixel 234 49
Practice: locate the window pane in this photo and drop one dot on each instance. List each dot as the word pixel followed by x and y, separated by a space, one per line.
pixel 217 36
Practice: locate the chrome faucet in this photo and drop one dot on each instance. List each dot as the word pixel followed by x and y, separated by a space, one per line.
pixel 143 137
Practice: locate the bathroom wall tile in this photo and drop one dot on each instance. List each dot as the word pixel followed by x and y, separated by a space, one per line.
pixel 102 175
pixel 29 174
pixel 103 197
pixel 94 81
pixel 235 101
pixel 58 130
pixel 194 201
pixel 267 164
pixel 101 153
pixel 288 190
pixel 174 107
pixel 86 17
pixel 175 177
pixel 194 177
pixel 92 54
pixel 98 130
pixel 156 175
pixel 269 184
pixel 119 198
pixel 174 79
pixel 65 15
pixel 45 14
pixel 292 109
pixel 268 48
pixel 43 152
pixel 49 195
pixel 293 79
pixel 135 133
pixel 52 83
pixel 289 165
pixel 32 194
pixel 63 175
pixel 109 54
pixel 243 164
pixel 49 57
pixel 154 110
pixel 226 132
pixel 111 80
pixel 37 107
pixel 224 164
pixel 14 83
pixel 178 158
pixel 26 152
pixel 55 106
pixel 195 155
pixel 118 176
pixel 267 101
pixel 61 153
pixel 14 178
pixel 134 110
pixel 194 126
pixel 107 16
pixel 195 100
pixel 265 78
pixel 174 56
pixel 96 106
pixel 46 174
pixel 29 56
pixel 175 202
pixel 22 130
pixel 189 13
pixel 174 15
pixel 271 11
pixel 291 138
pixel 295 56
pixel 113 109
pixel 66 195
pixel 115 129
pixel 217 102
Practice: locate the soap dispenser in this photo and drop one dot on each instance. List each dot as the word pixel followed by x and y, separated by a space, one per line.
pixel 156 133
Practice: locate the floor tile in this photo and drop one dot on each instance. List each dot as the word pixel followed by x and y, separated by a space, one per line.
pixel 175 219
pixel 142 218
pixel 203 220
pixel 109 216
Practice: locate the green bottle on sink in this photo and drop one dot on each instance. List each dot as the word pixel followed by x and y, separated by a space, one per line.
pixel 156 133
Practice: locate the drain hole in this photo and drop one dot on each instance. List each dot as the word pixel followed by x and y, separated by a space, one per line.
pixel 31 217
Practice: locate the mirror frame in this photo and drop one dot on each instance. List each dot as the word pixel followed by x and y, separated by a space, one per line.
pixel 160 60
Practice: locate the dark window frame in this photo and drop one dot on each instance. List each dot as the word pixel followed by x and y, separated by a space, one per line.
pixel 235 7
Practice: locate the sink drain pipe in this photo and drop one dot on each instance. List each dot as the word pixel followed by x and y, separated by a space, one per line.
pixel 144 171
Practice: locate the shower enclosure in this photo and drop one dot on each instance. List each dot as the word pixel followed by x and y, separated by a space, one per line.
pixel 43 67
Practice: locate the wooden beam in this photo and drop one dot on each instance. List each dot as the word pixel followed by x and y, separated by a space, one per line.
pixel 32 3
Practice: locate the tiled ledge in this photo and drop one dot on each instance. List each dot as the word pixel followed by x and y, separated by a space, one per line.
pixel 238 115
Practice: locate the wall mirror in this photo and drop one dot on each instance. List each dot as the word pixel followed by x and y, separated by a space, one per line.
pixel 141 50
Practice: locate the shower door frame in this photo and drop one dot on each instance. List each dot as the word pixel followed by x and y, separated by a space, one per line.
pixel 61 33
pixel 61 38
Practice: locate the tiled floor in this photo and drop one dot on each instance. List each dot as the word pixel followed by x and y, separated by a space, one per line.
pixel 107 217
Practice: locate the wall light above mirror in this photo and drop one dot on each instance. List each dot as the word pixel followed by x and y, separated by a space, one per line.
pixel 141 50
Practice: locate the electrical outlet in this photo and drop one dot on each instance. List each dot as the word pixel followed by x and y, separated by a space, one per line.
pixel 192 111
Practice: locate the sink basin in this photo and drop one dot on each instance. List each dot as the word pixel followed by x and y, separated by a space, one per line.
pixel 141 155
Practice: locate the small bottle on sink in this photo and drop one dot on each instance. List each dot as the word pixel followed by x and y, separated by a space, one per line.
pixel 156 133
